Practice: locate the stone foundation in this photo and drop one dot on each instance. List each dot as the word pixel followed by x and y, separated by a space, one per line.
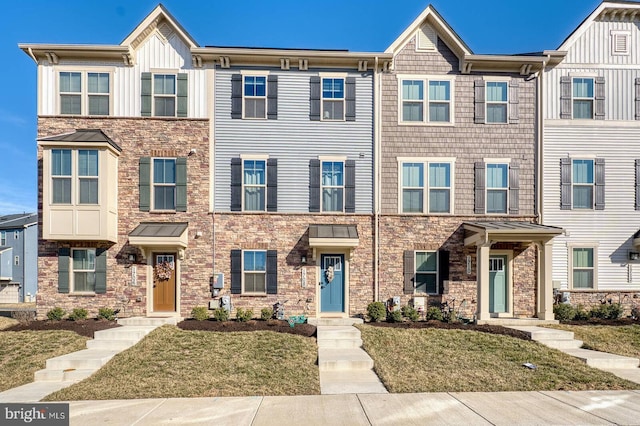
pixel 591 299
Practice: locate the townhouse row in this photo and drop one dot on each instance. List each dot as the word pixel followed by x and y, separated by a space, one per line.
pixel 173 175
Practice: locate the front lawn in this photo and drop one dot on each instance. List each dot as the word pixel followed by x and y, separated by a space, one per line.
pixel 621 340
pixel 435 360
pixel 173 363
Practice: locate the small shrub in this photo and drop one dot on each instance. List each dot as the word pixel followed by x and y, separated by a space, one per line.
pixel 106 314
pixel 606 311
pixel 410 313
pixel 376 311
pixel 78 314
pixel 394 316
pixel 266 314
pixel 200 313
pixel 581 314
pixel 433 313
pixel 221 314
pixel 56 314
pixel 23 316
pixel 635 312
pixel 244 315
pixel 564 312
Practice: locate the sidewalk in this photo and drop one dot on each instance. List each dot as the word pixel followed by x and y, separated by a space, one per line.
pixel 504 408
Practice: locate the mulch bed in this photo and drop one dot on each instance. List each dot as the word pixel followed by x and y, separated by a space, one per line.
pixel 280 326
pixel 485 328
pixel 598 321
pixel 84 328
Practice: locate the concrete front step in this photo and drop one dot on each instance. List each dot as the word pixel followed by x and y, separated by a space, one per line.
pixel 631 374
pixel 561 343
pixel 517 322
pixel 69 375
pixel 149 321
pixel 135 332
pixel 539 333
pixel 111 344
pixel 603 360
pixel 85 359
pixel 343 359
pixel 339 343
pixel 338 332
pixel 343 382
pixel 334 321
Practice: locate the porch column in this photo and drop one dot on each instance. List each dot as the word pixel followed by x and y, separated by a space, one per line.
pixel 482 281
pixel 545 285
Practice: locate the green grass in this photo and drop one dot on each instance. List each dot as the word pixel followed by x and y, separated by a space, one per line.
pixel 22 353
pixel 620 340
pixel 174 363
pixel 435 360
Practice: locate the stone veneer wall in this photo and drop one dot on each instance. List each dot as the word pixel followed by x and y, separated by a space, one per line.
pixel 592 298
pixel 288 234
pixel 403 232
pixel 138 137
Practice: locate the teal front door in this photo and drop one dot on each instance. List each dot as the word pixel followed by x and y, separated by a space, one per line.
pixel 332 283
pixel 497 284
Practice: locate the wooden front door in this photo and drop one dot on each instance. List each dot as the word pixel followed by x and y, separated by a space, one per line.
pixel 164 282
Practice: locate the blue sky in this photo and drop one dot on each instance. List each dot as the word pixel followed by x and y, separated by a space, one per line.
pixel 487 26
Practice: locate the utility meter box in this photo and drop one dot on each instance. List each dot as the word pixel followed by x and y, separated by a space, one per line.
pixel 218 281
pixel 225 302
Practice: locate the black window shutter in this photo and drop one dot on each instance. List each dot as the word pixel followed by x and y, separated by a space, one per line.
pixel 145 91
pixel 514 107
pixel 101 271
pixel 181 184
pixel 314 98
pixel 272 185
pixel 443 269
pixel 599 183
pixel 480 187
pixel 182 94
pixel 236 271
pixel 236 96
pixel 144 183
pixel 637 184
pixel 314 186
pixel 600 98
pixel 272 97
pixel 350 99
pixel 479 101
pixel 514 188
pixel 63 269
pixel 409 272
pixel 637 116
pixel 565 97
pixel 565 183
pixel 272 272
pixel 350 186
pixel 236 184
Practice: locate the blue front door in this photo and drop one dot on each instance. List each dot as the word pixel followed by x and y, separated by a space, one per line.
pixel 332 283
pixel 498 284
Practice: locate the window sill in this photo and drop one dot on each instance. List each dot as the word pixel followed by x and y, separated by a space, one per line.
pixel 82 294
pixel 254 294
pixel 162 212
pixel 427 124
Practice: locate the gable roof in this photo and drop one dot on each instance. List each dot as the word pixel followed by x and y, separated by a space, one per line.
pixel 154 21
pixel 17 221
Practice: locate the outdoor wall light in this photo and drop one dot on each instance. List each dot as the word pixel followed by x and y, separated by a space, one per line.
pixel 132 258
pixel 634 255
pixel 303 259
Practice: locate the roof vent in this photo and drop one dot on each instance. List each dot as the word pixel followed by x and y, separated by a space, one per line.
pixel 427 38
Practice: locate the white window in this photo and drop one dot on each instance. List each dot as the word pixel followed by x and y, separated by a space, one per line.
pixel 84 93
pixel 255 96
pixel 425 100
pixel 497 188
pixel 83 270
pixel 61 176
pixel 426 272
pixel 88 176
pixel 164 95
pixel 582 183
pixel 583 97
pixel 16 260
pixel 254 271
pixel 3 238
pixel 164 184
pixel 583 267
pixel 254 185
pixel 497 101
pixel 620 42
pixel 426 186
pixel 333 99
pixel 85 172
pixel 332 186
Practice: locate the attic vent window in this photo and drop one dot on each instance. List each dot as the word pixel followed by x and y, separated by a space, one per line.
pixel 620 42
pixel 427 38
pixel 165 30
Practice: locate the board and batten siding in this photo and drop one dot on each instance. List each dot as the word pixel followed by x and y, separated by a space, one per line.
pixel 613 227
pixel 293 139
pixel 153 54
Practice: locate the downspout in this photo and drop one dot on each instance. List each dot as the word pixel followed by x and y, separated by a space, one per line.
pixel 540 167
pixel 376 179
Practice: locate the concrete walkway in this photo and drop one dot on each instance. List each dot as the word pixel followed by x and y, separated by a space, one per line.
pixel 505 408
pixel 622 366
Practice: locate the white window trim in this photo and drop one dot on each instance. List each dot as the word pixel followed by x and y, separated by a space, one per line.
pixel 84 89
pixel 425 108
pixel 174 73
pixel 570 248
pixel 265 74
pixel 486 186
pixel 494 79
pixel 266 166
pixel 79 178
pixel 254 293
pixel 153 185
pixel 343 186
pixel 415 271
pixel 425 201
pixel 3 238
pixel 615 35
pixel 335 76
pixel 593 184
pixel 593 98
pixel 74 176
pixel 72 271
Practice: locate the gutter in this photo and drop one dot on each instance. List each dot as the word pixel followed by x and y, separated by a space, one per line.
pixel 376 179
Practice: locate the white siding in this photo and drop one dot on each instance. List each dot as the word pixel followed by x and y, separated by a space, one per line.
pixel 594 45
pixel 294 140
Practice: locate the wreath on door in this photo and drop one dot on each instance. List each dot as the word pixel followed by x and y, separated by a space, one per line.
pixel 329 274
pixel 162 271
